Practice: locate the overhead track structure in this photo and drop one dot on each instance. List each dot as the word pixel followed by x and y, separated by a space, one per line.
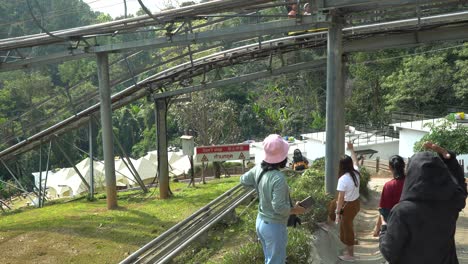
pixel 354 16
pixel 370 37
pixel 82 42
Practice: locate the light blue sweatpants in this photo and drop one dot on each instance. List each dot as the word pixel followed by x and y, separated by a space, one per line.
pixel 274 238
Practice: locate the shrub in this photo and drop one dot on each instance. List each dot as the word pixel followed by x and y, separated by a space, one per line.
pixel 298 251
pixel 250 252
pixel 312 182
pixel 448 134
pixel 365 178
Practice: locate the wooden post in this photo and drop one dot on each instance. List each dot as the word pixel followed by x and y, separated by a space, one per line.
pixel 203 172
pixel 377 163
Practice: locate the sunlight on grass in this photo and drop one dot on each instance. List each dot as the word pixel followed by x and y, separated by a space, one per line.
pixel 86 232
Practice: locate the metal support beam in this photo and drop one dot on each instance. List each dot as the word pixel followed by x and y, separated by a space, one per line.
pixel 330 4
pixel 106 127
pixel 17 181
pixel 72 164
pixel 161 137
pixel 239 32
pixel 244 78
pixel 452 33
pixel 130 166
pixel 39 200
pixel 91 159
pixel 47 173
pixel 334 127
pixel 340 99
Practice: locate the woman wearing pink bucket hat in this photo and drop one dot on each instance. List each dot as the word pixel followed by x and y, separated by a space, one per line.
pixel 274 205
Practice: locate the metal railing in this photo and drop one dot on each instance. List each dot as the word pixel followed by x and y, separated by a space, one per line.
pixel 174 240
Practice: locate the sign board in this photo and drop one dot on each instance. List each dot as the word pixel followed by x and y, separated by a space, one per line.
pixel 222 153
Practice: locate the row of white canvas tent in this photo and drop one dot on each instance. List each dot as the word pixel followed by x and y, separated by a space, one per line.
pixel 66 182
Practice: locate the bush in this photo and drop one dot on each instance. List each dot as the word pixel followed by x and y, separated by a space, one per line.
pixel 312 182
pixel 298 251
pixel 250 252
pixel 365 178
pixel 448 134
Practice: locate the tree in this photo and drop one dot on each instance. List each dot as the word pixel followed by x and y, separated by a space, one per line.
pixel 367 72
pixel 448 134
pixel 421 85
pixel 213 122
pixel 461 71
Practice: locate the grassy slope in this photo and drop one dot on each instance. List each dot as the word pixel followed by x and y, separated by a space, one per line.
pixel 86 232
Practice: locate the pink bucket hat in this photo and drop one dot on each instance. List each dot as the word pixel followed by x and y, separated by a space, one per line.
pixel 275 149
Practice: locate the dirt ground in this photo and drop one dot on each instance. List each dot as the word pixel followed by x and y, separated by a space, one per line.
pixel 327 246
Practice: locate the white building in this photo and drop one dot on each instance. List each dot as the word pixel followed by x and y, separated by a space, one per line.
pixel 370 144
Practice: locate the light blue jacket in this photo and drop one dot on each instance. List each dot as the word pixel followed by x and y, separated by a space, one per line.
pixel 274 205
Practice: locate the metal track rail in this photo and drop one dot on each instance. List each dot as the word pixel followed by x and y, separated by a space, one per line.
pixel 133 23
pixel 174 240
pixel 357 38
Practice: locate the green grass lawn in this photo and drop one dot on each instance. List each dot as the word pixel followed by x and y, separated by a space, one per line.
pixel 86 232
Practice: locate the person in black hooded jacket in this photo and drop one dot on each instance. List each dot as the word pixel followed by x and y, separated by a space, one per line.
pixel 421 227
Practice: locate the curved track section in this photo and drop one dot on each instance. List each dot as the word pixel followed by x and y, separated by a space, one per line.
pixel 129 24
pixel 170 243
pixel 450 26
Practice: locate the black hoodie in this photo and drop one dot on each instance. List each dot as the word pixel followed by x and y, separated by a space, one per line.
pixel 421 227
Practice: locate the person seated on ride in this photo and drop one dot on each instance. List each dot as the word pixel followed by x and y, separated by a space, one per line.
pixel 293 12
pixel 307 11
pixel 299 161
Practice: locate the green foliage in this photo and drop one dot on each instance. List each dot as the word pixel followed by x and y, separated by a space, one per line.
pixel 448 134
pixel 250 252
pixel 312 183
pixel 364 181
pixel 7 190
pixel 368 71
pixel 420 85
pixel 298 249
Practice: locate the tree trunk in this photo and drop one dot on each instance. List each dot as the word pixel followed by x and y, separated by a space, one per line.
pixel 217 170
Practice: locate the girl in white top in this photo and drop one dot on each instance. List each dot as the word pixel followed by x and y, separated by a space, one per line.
pixel 348 205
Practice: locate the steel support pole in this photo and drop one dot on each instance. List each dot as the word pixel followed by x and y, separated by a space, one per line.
pixel 161 137
pixel 39 200
pixel 21 187
pixel 91 160
pixel 334 129
pixel 130 166
pixel 340 111
pixel 47 173
pixel 106 127
pixel 72 164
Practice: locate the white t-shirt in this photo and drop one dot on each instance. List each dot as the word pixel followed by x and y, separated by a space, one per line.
pixel 346 185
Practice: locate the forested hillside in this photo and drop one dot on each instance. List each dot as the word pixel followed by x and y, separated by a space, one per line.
pixel 426 80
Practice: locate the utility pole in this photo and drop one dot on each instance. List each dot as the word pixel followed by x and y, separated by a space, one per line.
pixel 335 103
pixel 106 126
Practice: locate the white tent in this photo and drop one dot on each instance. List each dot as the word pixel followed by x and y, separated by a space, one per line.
pixel 56 182
pixel 123 175
pixel 152 156
pixel 145 168
pixel 180 166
